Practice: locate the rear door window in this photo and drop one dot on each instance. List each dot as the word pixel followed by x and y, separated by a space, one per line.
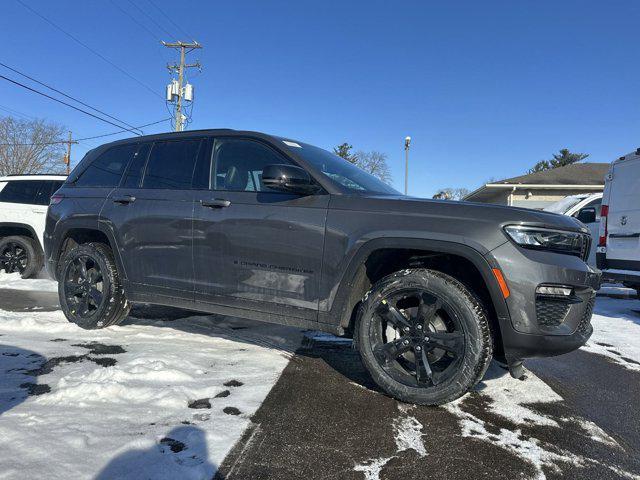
pixel 171 164
pixel 20 191
pixel 107 169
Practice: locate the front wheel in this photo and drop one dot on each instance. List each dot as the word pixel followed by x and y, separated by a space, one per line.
pixel 89 288
pixel 423 337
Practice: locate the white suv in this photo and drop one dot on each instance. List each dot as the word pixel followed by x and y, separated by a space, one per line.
pixel 23 206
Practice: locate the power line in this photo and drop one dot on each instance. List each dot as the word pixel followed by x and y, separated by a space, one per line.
pixel 82 139
pixel 75 39
pixel 65 103
pixel 170 19
pixel 65 95
pixel 140 24
pixel 152 19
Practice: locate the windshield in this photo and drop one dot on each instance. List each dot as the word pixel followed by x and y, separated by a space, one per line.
pixel 339 170
pixel 562 206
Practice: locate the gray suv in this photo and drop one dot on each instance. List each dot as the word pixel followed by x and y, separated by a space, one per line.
pixel 268 228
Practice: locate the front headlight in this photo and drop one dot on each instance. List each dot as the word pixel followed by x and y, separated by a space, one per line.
pixel 572 243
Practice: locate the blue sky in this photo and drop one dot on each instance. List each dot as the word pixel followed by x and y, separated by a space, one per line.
pixel 486 89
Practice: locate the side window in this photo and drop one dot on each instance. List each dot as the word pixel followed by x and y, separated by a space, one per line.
pixel 171 164
pixel 20 191
pixel 47 188
pixel 239 164
pixel 597 204
pixel 107 169
pixel 136 169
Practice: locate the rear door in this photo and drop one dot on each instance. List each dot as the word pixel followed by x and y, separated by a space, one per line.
pixel 623 245
pixel 256 248
pixel 19 204
pixel 152 212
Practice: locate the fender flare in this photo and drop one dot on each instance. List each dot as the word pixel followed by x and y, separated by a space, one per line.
pixel 340 313
pixel 26 226
pixel 87 224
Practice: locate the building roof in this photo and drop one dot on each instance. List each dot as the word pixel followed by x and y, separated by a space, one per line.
pixel 580 176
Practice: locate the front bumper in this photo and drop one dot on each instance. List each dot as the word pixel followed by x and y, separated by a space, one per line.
pixel 539 325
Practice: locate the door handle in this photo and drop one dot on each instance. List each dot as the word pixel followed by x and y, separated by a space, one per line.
pixel 124 199
pixel 217 203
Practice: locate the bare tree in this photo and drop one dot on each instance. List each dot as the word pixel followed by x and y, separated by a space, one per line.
pixel 374 163
pixel 32 146
pixel 451 194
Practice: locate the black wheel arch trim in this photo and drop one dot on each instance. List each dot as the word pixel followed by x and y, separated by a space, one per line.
pixel 86 224
pixel 340 312
pixel 27 227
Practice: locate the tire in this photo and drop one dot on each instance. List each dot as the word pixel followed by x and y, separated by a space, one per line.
pixel 20 254
pixel 92 297
pixel 436 350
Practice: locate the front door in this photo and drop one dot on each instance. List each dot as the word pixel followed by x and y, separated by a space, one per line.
pixel 256 248
pixel 152 214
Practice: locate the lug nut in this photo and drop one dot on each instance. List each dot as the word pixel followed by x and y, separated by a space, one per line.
pixel 406 329
pixel 419 327
pixel 418 348
pixel 406 342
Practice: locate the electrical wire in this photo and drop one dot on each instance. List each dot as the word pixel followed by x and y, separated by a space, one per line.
pixel 170 19
pixel 140 24
pixel 81 139
pixel 66 95
pixel 99 55
pixel 65 103
pixel 153 20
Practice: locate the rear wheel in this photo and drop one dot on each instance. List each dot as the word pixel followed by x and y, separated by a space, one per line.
pixel 21 255
pixel 91 295
pixel 423 336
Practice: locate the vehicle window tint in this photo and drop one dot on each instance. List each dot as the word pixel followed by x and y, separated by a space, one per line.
pixel 20 191
pixel 597 204
pixel 136 168
pixel 171 164
pixel 46 189
pixel 202 172
pixel 239 165
pixel 107 169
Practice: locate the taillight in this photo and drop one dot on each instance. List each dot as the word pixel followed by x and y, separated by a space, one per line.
pixel 56 199
pixel 604 214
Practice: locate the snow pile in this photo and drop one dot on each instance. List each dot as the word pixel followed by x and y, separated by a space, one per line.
pixel 13 281
pixel 616 331
pixel 147 399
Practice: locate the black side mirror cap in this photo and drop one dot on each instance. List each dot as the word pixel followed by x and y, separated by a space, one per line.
pixel 587 215
pixel 289 179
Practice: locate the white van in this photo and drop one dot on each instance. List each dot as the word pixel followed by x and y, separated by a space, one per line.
pixel 618 251
pixel 586 208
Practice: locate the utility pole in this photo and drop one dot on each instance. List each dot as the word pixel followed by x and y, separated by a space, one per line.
pixel 67 156
pixel 176 93
pixel 407 144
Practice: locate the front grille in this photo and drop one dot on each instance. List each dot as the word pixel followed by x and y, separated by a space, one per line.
pixel 551 313
pixel 585 321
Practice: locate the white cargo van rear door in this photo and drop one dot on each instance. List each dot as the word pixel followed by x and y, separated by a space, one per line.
pixel 623 245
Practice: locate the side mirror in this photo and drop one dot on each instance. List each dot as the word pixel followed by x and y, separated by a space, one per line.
pixel 288 178
pixel 587 215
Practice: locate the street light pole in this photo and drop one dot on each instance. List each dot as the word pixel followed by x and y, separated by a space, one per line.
pixel 407 144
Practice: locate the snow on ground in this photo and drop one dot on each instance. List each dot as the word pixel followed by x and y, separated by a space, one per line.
pixel 13 281
pixel 616 331
pixel 115 403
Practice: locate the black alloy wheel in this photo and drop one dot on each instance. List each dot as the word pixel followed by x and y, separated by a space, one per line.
pixel 423 336
pixel 417 338
pixel 14 258
pixel 84 286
